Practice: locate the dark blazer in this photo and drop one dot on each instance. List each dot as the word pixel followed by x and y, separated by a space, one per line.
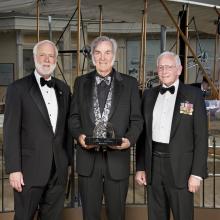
pixel 125 116
pixel 29 141
pixel 188 140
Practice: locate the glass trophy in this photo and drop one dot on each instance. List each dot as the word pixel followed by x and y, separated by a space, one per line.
pixel 103 135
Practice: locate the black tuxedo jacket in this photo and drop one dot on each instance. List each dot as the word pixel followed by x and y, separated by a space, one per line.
pixel 188 139
pixel 29 141
pixel 125 116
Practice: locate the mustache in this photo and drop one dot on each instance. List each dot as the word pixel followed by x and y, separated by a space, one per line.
pixel 46 68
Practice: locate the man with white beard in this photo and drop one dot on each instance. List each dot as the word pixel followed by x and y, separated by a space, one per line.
pixel 36 140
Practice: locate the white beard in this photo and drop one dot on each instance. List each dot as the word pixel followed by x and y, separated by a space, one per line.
pixel 43 70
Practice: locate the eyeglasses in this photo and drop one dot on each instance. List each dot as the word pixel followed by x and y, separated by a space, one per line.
pixel 166 67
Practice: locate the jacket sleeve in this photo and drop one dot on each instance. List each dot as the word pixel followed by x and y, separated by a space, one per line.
pixel 12 129
pixel 141 143
pixel 140 152
pixel 199 166
pixel 69 138
pixel 136 121
pixel 74 122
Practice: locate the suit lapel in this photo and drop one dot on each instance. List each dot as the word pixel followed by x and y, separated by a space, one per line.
pixel 60 103
pixel 89 92
pixel 176 113
pixel 39 101
pixel 116 93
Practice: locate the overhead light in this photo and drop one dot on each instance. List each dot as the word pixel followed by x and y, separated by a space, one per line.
pixel 195 3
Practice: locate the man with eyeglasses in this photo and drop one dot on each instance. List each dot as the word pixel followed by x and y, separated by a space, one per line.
pixel 172 150
pixel 36 140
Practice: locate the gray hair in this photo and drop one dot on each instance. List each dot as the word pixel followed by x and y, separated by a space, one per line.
pixel 100 39
pixel 35 49
pixel 177 58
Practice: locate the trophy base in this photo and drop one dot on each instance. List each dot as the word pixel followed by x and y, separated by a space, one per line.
pixel 103 141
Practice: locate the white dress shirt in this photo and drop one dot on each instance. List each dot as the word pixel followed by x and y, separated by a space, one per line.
pixel 163 115
pixel 50 100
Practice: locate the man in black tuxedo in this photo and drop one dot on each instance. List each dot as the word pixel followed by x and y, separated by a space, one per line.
pixel 172 150
pixel 36 138
pixel 100 97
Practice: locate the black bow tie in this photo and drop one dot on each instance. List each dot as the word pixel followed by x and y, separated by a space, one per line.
pixel 49 83
pixel 106 79
pixel 171 89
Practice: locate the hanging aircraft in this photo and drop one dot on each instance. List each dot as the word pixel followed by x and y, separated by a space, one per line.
pixel 206 14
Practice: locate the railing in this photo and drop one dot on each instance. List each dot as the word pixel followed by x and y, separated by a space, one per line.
pixel 211 186
pixel 207 197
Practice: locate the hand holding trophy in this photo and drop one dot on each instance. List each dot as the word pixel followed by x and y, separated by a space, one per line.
pixel 104 136
pixel 124 145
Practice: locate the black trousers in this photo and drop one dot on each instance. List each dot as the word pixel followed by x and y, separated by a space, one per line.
pixel 49 199
pixel 92 189
pixel 164 196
